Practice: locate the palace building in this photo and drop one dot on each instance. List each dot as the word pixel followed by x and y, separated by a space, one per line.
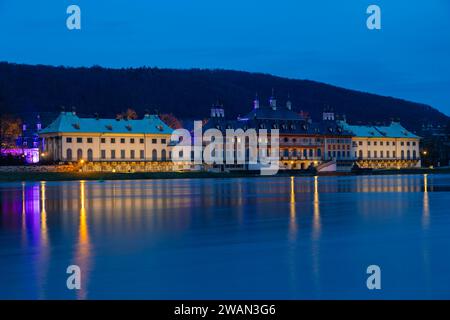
pixel 303 143
pixel 380 147
pixel 109 144
pixel 123 145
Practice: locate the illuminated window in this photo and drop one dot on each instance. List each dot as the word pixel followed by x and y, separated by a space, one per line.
pixel 69 154
pixel 90 155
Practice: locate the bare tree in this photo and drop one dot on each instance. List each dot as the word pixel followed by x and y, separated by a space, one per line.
pixel 10 130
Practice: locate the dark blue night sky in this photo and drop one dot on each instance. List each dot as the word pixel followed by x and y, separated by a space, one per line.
pixel 320 40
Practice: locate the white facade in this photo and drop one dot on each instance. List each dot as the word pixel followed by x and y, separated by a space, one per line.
pixel 387 148
pixel 70 138
pixel 107 147
pixel 384 146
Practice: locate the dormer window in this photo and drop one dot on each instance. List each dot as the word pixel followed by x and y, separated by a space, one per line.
pixel 76 126
pixel 129 128
pixel 159 127
pixel 109 127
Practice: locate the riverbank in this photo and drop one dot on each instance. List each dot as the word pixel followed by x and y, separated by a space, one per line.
pixel 69 176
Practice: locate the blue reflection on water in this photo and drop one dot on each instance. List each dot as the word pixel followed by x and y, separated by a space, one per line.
pixel 251 238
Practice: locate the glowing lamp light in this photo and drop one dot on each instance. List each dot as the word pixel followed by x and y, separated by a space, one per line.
pixel 81 161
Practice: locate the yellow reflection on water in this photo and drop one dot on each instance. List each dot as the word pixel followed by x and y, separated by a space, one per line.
pixel 83 254
pixel 44 248
pixel 316 235
pixel 426 203
pixel 44 232
pixel 292 212
pixel 316 221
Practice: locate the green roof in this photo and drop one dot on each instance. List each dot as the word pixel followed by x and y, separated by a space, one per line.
pixel 394 130
pixel 69 122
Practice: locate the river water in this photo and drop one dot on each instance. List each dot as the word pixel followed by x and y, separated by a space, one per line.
pixel 248 238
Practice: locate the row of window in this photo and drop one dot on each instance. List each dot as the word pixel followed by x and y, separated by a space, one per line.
pixel 113 140
pixel 305 153
pixel 339 146
pixel 348 141
pixel 112 155
pixel 402 143
pixel 304 140
pixel 388 154
pixel 338 154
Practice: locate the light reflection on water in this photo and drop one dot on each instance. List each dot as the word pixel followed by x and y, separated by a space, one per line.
pixel 288 238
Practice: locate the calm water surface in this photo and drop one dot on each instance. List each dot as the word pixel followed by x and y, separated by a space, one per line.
pixel 260 238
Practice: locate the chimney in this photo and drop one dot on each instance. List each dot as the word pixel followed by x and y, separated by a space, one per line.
pixel 217 112
pixel 328 114
pixel 289 105
pixel 273 101
pixel 256 102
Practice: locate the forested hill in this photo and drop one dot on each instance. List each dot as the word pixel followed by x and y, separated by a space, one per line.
pixel 189 93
